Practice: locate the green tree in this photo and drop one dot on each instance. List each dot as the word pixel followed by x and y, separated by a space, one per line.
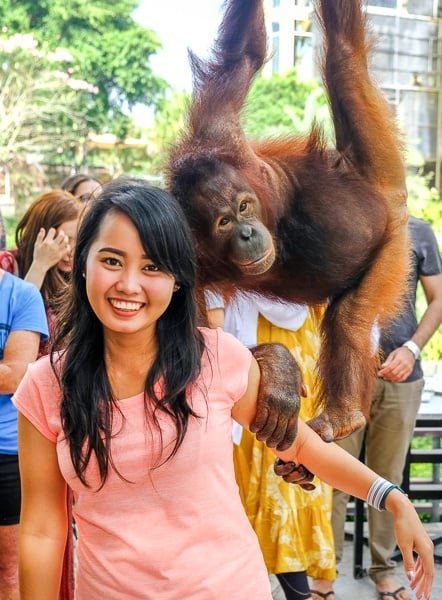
pixel 40 107
pixel 38 103
pixel 168 124
pixel 108 48
pixel 283 104
pixel 424 201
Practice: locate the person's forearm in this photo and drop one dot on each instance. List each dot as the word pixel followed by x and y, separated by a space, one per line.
pixel 36 274
pixel 337 467
pixel 330 463
pixel 429 323
pixel 40 566
pixel 10 377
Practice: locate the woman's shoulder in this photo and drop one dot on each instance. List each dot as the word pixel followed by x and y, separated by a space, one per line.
pixel 224 346
pixel 38 397
pixel 217 337
pixel 46 370
pixel 20 287
pixel 227 362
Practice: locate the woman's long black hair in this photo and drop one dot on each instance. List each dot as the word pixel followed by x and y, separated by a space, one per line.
pixel 87 401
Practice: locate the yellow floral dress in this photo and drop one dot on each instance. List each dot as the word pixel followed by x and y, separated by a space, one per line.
pixel 293 525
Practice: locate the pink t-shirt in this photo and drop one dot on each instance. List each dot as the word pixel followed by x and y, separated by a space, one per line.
pixel 176 532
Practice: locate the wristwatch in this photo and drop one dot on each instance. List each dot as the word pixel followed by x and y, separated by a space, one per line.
pixel 414 348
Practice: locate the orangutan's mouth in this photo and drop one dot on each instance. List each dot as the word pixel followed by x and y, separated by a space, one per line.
pixel 260 265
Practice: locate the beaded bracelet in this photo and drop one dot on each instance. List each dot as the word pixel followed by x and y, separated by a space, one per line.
pixel 378 492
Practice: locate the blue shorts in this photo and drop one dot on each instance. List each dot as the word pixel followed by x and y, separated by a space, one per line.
pixel 10 493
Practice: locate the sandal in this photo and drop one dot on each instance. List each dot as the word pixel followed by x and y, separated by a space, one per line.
pixel 384 595
pixel 323 595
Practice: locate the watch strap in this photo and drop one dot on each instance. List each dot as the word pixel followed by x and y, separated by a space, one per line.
pixel 413 347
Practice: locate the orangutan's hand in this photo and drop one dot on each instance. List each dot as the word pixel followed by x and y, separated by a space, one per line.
pixel 294 474
pixel 278 397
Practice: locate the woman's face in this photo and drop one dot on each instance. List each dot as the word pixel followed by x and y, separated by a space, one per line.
pixel 126 290
pixel 87 190
pixel 70 228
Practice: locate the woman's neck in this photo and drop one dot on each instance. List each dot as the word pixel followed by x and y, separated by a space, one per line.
pixel 128 361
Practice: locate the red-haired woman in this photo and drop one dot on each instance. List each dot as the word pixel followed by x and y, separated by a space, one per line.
pixel 45 238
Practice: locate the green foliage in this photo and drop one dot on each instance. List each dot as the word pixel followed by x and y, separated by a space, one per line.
pixel 108 49
pixel 120 161
pixel 283 104
pixel 422 470
pixel 424 201
pixel 168 124
pixel 11 225
pixel 39 107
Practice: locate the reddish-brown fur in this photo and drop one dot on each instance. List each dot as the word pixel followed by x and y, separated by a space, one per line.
pixel 337 217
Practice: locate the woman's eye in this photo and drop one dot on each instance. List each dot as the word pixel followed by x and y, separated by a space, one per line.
pixel 112 262
pixel 151 268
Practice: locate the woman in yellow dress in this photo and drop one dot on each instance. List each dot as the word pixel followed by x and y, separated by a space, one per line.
pixel 293 525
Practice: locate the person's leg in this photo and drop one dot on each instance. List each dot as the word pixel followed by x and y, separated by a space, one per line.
pixel 353 445
pixel 9 562
pixel 322 589
pixel 9 518
pixel 392 421
pixel 295 585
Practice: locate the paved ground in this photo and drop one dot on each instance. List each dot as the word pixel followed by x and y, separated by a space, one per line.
pixel 348 588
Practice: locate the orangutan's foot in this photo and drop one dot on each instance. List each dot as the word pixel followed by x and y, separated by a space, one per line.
pixel 333 426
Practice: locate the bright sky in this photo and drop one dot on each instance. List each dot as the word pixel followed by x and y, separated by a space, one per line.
pixel 179 24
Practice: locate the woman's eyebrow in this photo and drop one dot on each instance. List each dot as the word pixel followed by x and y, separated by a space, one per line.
pixel 119 252
pixel 113 250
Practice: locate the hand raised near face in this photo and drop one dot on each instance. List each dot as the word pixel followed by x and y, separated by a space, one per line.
pixel 278 396
pixel 50 247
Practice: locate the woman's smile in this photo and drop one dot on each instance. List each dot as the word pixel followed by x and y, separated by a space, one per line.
pixel 127 307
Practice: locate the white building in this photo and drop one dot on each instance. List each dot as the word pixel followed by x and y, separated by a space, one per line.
pixel 407 60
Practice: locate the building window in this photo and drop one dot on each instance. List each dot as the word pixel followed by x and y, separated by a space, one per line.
pixel 305 3
pixel 302 46
pixel 383 3
pixel 421 7
pixel 276 3
pixel 303 27
pixel 275 47
pixel 275 54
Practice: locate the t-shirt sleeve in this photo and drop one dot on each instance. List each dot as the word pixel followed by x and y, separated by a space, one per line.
pixel 30 314
pixel 213 300
pixel 429 259
pixel 38 398
pixel 234 361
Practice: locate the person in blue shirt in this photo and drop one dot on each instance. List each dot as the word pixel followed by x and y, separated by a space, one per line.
pixel 23 324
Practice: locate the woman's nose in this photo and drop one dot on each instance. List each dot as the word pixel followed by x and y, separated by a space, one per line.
pixel 128 282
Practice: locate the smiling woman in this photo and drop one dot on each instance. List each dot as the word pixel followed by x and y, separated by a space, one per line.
pixel 134 414
pixel 127 291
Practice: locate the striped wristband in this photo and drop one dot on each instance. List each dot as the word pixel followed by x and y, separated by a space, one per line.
pixel 378 492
